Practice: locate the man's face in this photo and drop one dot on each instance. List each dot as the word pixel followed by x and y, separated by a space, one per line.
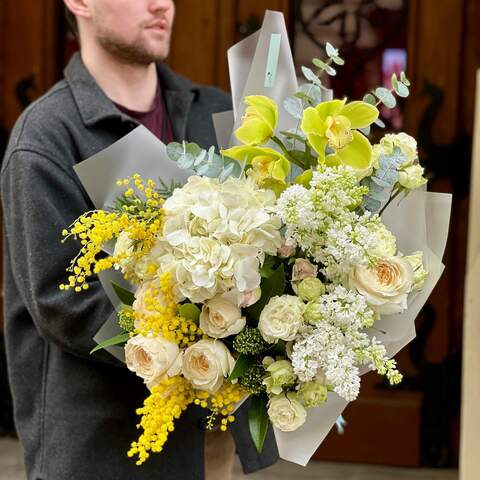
pixel 134 31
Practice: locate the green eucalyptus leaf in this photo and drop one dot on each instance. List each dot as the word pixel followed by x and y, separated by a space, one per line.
pixel 192 149
pixel 117 340
pixel 174 151
pixel 404 79
pixel 201 157
pixel 227 172
pixel 323 66
pixel 394 81
pixel 379 123
pixel 338 60
pixel 186 161
pixel 370 99
pixel 313 91
pixel 293 106
pixel 258 420
pixel 402 90
pixel 303 96
pixel 310 75
pixel 331 50
pixel 386 97
pixel 365 130
pixel 124 295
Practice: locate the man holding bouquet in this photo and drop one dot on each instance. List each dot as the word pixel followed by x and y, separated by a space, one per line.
pixel 75 412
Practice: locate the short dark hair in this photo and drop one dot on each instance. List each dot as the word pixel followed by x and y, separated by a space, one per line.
pixel 71 21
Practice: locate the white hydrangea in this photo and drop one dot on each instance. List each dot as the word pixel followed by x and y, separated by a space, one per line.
pixel 216 236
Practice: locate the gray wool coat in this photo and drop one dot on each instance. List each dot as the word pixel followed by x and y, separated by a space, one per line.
pixel 75 412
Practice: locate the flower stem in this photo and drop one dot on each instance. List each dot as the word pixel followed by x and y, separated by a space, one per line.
pixel 287 153
pixel 390 200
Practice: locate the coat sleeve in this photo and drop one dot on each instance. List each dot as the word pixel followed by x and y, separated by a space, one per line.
pixel 40 198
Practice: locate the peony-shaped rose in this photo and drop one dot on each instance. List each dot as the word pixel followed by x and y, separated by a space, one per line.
pixel 310 289
pixel 206 364
pixel 281 318
pixel 384 286
pixel 302 269
pixel 153 358
pixel 280 374
pixel 411 177
pixel 286 412
pixel 221 318
pixel 312 394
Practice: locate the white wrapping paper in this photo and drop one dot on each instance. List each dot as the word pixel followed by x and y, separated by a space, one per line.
pixel 420 222
pixel 249 63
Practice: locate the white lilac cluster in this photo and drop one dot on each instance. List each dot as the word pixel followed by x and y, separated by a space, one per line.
pixel 336 343
pixel 321 220
pixel 348 242
pixel 333 191
pixel 216 236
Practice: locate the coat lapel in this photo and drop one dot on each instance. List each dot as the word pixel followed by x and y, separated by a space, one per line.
pixel 178 104
pixel 179 94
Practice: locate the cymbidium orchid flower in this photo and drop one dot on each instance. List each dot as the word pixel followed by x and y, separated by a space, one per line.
pixel 269 168
pixel 259 121
pixel 334 125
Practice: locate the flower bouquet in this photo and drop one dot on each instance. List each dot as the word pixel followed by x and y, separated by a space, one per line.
pixel 282 269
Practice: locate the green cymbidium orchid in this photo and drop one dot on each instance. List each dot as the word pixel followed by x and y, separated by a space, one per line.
pixel 269 169
pixel 333 124
pixel 259 122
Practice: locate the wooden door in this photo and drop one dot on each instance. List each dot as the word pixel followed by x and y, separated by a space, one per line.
pixel 205 30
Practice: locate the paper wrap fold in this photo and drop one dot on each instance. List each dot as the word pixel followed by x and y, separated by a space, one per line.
pixel 419 221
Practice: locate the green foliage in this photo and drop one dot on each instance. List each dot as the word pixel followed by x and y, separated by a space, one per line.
pixel 386 97
pixel 271 287
pixel 258 420
pixel 324 67
pixel 311 76
pixel 124 295
pixel 334 54
pixel 189 311
pixel 165 190
pixel 204 162
pixel 400 87
pixel 252 380
pixel 250 342
pixel 117 340
pixel 242 364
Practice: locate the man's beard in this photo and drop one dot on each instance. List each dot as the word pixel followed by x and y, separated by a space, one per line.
pixel 133 53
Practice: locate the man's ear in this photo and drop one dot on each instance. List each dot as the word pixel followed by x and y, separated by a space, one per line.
pixel 80 8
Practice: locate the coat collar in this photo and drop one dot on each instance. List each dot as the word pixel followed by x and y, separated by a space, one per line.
pixel 94 106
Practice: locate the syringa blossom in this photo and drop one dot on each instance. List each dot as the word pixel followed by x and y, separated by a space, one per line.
pixel 338 343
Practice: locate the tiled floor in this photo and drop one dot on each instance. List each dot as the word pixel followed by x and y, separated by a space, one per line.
pixel 11 469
